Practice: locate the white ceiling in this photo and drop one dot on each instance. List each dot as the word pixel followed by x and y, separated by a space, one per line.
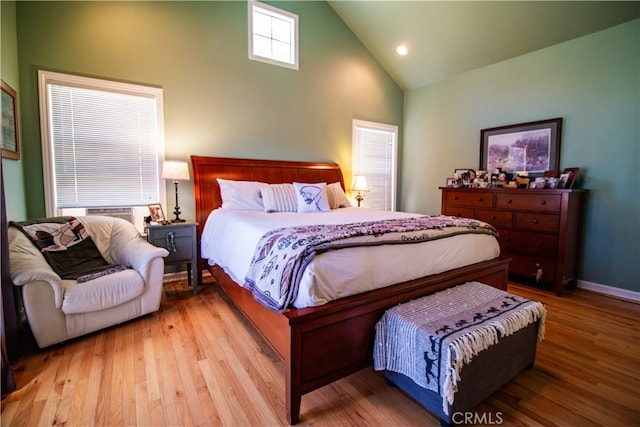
pixel 446 38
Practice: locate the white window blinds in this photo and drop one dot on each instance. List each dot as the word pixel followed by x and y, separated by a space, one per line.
pixel 374 157
pixel 103 142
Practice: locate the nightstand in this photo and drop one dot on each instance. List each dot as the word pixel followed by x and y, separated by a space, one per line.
pixel 180 240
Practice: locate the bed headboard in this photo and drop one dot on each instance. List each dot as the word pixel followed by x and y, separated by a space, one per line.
pixel 207 169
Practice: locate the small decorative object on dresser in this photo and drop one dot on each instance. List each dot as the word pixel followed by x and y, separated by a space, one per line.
pixel 539 229
pixel 180 240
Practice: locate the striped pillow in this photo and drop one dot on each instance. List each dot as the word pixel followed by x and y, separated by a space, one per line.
pixel 279 198
pixel 337 197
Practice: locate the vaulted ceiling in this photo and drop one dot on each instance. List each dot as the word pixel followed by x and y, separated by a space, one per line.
pixel 446 38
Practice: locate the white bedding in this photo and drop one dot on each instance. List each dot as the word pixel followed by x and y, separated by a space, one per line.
pixel 229 239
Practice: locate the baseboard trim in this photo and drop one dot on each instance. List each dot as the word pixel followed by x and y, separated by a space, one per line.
pixel 625 294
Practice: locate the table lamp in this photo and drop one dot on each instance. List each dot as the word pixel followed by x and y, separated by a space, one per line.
pixel 359 184
pixel 177 171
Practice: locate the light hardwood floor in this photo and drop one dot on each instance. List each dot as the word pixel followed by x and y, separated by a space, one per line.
pixel 198 362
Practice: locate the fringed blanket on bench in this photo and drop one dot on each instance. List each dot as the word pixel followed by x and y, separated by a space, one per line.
pixel 282 254
pixel 431 338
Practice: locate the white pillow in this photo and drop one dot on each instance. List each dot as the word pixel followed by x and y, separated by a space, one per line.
pixel 337 197
pixel 312 197
pixel 279 198
pixel 240 195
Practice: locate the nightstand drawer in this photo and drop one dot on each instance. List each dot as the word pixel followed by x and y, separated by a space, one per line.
pixel 180 248
pixel 180 240
pixel 160 233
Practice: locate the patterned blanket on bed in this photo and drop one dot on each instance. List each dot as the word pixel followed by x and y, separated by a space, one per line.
pixel 431 338
pixel 282 254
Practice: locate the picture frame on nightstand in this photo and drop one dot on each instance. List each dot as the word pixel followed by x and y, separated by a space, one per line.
pixel 156 212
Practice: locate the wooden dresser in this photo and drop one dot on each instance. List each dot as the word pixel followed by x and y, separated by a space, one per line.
pixel 538 229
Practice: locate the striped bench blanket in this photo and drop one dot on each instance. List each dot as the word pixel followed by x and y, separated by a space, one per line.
pixel 430 339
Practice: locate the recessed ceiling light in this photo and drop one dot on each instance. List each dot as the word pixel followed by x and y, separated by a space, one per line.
pixel 402 49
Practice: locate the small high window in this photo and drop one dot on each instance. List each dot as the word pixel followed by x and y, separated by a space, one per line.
pixel 273 35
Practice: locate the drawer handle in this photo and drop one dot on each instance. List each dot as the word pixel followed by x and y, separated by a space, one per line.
pixel 540 244
pixel 493 217
pixel 543 202
pixel 535 221
pixel 538 273
pixel 507 239
pixel 455 197
pixel 170 241
pixel 509 201
pixel 481 199
pixel 459 214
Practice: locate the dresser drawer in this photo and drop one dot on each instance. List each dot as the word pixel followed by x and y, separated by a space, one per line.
pixel 468 198
pixel 537 221
pixel 527 266
pixel 459 211
pixel 496 218
pixel 526 241
pixel 529 201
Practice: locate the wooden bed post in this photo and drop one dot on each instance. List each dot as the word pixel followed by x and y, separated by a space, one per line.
pixel 293 372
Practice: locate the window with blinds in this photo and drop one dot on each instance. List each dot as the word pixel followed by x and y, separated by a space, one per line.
pixel 102 142
pixel 375 148
pixel 273 35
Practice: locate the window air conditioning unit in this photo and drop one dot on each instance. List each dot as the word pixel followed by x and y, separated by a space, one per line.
pixel 124 213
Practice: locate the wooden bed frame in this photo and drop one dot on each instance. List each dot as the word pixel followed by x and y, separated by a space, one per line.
pixel 318 345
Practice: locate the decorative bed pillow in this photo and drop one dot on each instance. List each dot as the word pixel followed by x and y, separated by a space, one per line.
pixel 312 197
pixel 240 195
pixel 65 245
pixel 279 198
pixel 337 197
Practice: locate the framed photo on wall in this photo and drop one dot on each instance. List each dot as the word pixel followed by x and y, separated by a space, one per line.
pixel 10 140
pixel 532 147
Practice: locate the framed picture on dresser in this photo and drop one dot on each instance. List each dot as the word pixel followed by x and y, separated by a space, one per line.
pixel 568 177
pixel 532 147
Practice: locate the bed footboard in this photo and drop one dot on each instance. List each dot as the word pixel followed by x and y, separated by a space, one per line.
pixel 320 345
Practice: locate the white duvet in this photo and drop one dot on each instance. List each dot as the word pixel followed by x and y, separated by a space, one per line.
pixel 229 239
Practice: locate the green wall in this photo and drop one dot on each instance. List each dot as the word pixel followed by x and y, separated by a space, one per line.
pixel 12 170
pixel 217 101
pixel 593 83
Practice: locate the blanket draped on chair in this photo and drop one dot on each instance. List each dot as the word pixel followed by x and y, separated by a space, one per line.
pixel 431 338
pixel 67 247
pixel 282 254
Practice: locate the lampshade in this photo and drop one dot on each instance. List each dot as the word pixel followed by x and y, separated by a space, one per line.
pixel 176 170
pixel 359 183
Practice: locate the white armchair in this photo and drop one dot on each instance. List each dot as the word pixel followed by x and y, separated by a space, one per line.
pixel 58 309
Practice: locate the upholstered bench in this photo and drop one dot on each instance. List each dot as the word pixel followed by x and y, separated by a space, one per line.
pixel 453 349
